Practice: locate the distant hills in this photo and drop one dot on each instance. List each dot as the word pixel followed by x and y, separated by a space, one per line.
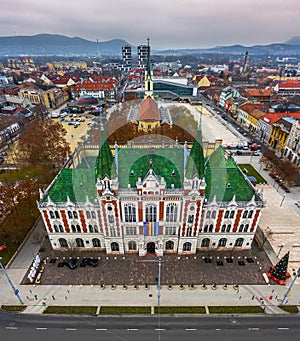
pixel 53 44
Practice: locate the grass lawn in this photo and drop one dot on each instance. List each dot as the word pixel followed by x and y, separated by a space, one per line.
pixel 82 310
pixel 109 310
pixel 235 309
pixel 292 309
pixel 13 307
pixel 179 310
pixel 252 172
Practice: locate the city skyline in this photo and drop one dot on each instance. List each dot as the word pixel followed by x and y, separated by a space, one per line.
pixel 169 24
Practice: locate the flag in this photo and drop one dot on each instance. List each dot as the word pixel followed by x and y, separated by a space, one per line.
pixel 151 229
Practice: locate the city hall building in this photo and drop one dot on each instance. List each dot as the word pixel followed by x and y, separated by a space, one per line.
pixel 150 198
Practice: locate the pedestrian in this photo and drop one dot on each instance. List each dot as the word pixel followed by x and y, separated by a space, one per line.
pixel 240 297
pixel 53 297
pixel 253 297
pixel 27 297
pixel 68 291
pixel 35 297
pixel 273 291
pixel 66 297
pixel 276 297
pixel 30 291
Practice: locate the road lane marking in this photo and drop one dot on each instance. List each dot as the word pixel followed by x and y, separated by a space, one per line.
pixel 218 329
pixel 103 329
pixel 11 327
pixel 190 329
pixel 132 329
pixel 253 328
pixel 71 328
pixel 159 329
pixel 282 328
pixel 41 328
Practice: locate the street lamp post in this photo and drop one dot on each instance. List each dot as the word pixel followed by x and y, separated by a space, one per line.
pixel 284 195
pixel 158 284
pixel 290 287
pixel 16 291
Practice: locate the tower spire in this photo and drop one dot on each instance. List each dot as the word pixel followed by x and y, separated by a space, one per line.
pixel 148 74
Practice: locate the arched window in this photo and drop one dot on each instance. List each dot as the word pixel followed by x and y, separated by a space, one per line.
pixel 79 242
pixel 63 242
pixel 78 229
pixel 241 228
pixel 93 214
pixel 96 230
pixel 75 215
pixel 132 245
pixel 73 228
pixel 88 214
pixel 246 228
pixel 151 213
pixel 96 242
pixel 239 242
pixel 222 242
pixel 228 228
pixel 226 214
pixel 171 213
pixel 111 219
pixel 189 231
pixel 205 242
pixel 61 229
pixel 56 228
pixel 169 245
pixel 250 214
pixel 211 227
pixel 70 215
pixel 245 214
pixel 51 214
pixel 207 215
pixel 213 214
pixel 205 229
pixel 114 246
pixel 187 246
pixel 232 214
pixel 57 214
pixel 130 213
pixel 91 230
pixel 223 229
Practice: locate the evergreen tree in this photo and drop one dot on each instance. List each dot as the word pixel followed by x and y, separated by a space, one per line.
pixel 280 269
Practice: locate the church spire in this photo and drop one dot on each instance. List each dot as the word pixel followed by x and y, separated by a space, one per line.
pixel 148 74
pixel 105 164
pixel 195 162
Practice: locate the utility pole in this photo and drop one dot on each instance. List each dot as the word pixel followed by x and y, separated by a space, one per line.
pixel 16 291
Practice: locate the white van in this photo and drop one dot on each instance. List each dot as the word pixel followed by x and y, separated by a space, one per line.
pixel 54 114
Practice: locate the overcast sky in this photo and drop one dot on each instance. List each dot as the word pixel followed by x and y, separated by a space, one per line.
pixel 168 23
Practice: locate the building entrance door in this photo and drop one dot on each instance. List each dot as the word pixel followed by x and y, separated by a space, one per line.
pixel 150 247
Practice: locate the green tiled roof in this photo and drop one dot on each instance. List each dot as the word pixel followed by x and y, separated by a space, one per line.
pixel 195 162
pixel 105 164
pixel 75 183
pixel 224 179
pixel 135 163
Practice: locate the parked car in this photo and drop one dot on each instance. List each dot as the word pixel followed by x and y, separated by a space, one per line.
pixel 90 261
pixel 255 153
pixel 70 263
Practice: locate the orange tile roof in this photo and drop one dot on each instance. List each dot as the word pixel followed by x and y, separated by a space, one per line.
pixel 260 92
pixel 272 118
pixel 249 107
pixel 149 110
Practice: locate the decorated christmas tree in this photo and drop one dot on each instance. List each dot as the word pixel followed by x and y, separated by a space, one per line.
pixel 279 272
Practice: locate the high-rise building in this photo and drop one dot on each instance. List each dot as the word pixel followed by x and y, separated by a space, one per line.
pixel 126 55
pixel 142 51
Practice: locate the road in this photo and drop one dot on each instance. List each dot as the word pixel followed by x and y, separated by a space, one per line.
pixel 19 326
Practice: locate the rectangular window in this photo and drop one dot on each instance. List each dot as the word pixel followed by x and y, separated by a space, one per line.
pixel 130 230
pixel 170 230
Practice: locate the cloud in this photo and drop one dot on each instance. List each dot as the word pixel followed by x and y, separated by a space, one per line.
pixel 169 23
